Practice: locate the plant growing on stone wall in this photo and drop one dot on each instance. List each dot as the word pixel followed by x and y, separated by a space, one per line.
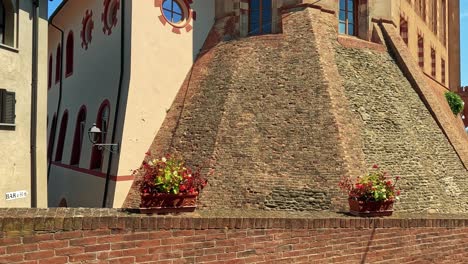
pixel 375 185
pixel 455 102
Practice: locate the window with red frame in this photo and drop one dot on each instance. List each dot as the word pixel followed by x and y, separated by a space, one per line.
pixel 433 63
pixel 102 122
pixel 58 63
pixel 421 51
pixel 69 54
pixel 49 73
pixel 442 66
pixel 78 139
pixel 404 30
pixel 51 137
pixel 61 138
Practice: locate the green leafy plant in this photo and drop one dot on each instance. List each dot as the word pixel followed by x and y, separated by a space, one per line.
pixel 455 102
pixel 170 175
pixel 376 185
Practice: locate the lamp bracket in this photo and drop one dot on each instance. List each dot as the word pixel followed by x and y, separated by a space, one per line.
pixel 114 148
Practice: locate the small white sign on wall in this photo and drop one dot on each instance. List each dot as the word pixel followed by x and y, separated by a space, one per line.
pixel 16 195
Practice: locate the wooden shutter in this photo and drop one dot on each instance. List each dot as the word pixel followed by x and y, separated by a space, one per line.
pixel 7 107
pixel 10 114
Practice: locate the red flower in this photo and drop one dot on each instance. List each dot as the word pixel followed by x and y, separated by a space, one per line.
pixel 375 166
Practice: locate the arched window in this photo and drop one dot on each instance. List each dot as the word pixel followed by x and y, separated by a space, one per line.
pixel 404 29
pixel 49 72
pixel 7 21
pixel 70 47
pixel 78 139
pixel 421 51
pixel 51 136
pixel 63 203
pixel 433 63
pixel 61 138
pixel 348 17
pixel 102 121
pixel 58 64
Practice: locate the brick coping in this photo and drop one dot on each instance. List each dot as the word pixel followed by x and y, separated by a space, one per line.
pixel 23 221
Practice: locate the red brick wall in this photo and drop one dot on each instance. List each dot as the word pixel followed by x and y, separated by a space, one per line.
pixel 107 236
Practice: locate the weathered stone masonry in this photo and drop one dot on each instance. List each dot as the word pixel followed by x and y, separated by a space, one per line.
pixel 283 117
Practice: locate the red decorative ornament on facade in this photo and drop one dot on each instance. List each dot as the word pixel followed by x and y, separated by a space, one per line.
pixel 183 18
pixel 87 29
pixel 109 16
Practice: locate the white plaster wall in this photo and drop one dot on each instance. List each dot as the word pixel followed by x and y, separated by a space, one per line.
pixel 160 61
pixel 95 79
pixel 15 75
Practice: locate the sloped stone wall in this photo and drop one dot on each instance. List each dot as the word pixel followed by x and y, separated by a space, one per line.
pixel 263 116
pixel 400 134
pixel 282 117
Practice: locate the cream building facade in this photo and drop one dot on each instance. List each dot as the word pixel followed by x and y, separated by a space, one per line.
pixel 120 64
pixel 128 63
pixel 23 103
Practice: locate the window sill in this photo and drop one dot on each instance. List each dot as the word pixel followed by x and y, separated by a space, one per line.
pixel 10 48
pixel 4 126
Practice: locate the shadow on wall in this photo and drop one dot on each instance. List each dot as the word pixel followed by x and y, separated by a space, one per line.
pixel 121 103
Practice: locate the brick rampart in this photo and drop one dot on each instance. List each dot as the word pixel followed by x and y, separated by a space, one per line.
pixel 107 236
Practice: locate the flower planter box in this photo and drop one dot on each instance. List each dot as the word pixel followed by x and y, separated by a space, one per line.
pixel 369 208
pixel 162 203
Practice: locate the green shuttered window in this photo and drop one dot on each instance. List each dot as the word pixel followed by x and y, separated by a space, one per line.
pixel 7 107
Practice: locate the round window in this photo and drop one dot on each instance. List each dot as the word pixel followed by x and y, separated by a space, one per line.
pixel 174 11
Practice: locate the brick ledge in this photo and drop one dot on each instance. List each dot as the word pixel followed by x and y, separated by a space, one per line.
pixel 21 221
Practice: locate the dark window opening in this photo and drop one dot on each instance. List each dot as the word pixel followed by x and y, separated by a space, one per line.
pixel 2 22
pixel 51 137
pixel 70 47
pixel 61 138
pixel 348 17
pixel 49 73
pixel 102 122
pixel 404 30
pixel 434 17
pixel 7 23
pixel 58 64
pixel 442 65
pixel 421 51
pixel 260 17
pixel 433 63
pixel 7 107
pixel 444 22
pixel 78 139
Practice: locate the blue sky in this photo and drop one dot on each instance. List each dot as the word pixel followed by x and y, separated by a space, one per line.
pixel 464 41
pixel 463 32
